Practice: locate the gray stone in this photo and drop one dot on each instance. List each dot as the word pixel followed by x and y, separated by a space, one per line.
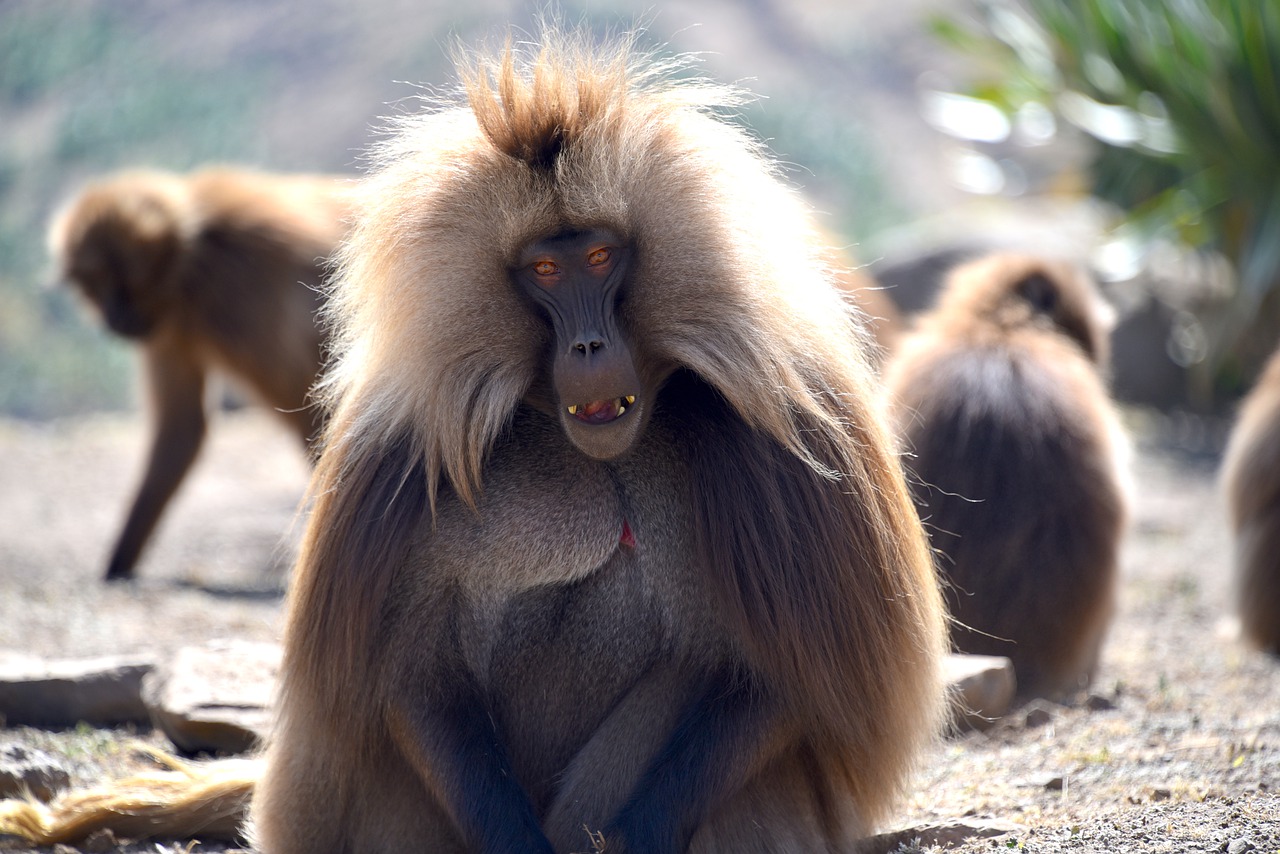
pixel 215 698
pixel 1240 846
pixel 943 835
pixel 1099 703
pixel 982 686
pixel 1053 783
pixel 1037 716
pixel 102 842
pixel 99 691
pixel 26 770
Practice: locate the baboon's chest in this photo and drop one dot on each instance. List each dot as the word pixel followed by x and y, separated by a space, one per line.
pixel 565 656
pixel 581 581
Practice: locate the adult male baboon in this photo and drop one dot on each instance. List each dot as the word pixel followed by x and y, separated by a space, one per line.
pixel 216 270
pixel 1015 449
pixel 1251 483
pixel 609 546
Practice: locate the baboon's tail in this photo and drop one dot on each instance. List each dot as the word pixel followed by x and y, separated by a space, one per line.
pixel 208 800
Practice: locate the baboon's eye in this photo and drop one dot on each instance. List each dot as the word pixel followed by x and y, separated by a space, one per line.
pixel 546 268
pixel 598 257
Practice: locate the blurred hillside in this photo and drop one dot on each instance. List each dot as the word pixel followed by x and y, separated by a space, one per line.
pixel 90 87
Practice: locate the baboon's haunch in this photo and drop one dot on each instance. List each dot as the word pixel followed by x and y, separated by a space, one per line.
pixel 1251 482
pixel 1016 452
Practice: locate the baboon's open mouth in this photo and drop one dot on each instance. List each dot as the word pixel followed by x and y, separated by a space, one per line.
pixel 602 411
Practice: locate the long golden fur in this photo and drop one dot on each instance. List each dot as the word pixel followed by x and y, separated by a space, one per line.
pixel 462 587
pixel 219 270
pixel 1251 484
pixel 999 400
pixel 185 799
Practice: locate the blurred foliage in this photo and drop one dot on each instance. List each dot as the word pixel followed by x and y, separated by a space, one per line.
pixel 1182 98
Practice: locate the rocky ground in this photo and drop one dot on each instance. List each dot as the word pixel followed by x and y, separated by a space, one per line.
pixel 1178 749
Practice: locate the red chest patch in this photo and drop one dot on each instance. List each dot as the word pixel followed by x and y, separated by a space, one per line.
pixel 627 539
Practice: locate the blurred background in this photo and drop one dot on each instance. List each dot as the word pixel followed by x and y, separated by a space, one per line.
pixel 1140 137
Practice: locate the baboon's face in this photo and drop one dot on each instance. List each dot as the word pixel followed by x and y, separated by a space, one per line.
pixel 124 275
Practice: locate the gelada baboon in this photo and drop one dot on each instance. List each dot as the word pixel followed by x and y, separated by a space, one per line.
pixel 217 270
pixel 1016 456
pixel 1251 483
pixel 609 547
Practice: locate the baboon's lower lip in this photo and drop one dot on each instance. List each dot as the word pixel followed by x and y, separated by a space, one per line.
pixel 602 411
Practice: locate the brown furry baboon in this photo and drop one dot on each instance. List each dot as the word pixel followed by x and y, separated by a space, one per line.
pixel 217 270
pixel 1251 483
pixel 1016 456
pixel 609 547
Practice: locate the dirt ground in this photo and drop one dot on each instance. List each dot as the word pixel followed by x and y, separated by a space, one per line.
pixel 1177 751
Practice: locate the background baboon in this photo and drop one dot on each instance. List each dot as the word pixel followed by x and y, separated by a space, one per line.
pixel 609 545
pixel 1013 447
pixel 1251 483
pixel 216 270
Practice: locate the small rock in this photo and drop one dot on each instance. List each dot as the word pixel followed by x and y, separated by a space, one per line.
pixel 100 842
pixel 1038 717
pixel 1099 703
pixel 1240 846
pixel 943 835
pixel 24 770
pixel 1053 784
pixel 215 698
pixel 983 687
pixel 99 691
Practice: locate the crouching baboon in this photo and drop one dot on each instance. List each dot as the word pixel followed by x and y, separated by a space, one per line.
pixel 1251 482
pixel 1016 454
pixel 609 548
pixel 218 270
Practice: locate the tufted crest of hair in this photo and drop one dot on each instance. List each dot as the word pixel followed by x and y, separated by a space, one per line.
pixel 729 282
pixel 530 116
pixel 1003 292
